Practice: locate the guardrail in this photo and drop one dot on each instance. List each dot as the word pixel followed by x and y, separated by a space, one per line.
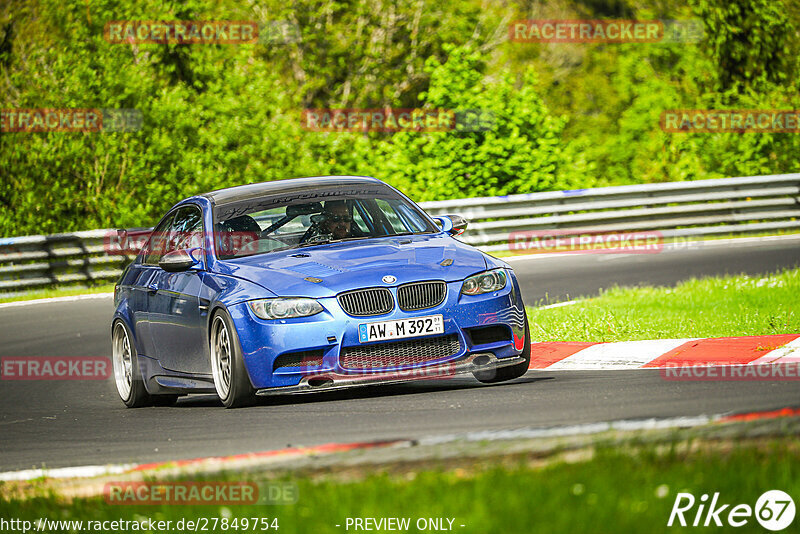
pixel 675 209
pixel 44 260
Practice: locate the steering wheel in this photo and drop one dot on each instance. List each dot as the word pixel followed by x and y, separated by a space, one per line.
pixel 315 230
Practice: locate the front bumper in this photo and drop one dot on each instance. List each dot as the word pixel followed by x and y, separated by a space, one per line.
pixel 333 381
pixel 331 331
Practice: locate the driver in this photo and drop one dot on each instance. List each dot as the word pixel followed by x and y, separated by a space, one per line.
pixel 337 219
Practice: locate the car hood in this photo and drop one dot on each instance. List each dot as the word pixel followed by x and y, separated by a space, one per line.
pixel 356 264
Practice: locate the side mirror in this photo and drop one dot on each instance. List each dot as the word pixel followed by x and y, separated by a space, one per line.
pixel 179 260
pixel 453 224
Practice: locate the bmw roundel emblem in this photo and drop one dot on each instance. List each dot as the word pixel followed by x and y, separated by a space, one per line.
pixel 389 279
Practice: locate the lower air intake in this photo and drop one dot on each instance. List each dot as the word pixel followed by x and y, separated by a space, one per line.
pixel 399 353
pixel 306 358
pixel 489 334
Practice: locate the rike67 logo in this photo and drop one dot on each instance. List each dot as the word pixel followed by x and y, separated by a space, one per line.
pixel 774 510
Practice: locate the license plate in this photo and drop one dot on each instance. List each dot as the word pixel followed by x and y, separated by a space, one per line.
pixel 418 326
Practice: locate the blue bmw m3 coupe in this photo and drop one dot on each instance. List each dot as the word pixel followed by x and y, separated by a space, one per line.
pixel 305 285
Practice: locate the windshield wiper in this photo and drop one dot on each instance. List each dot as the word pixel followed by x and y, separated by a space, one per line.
pixel 406 233
pixel 327 241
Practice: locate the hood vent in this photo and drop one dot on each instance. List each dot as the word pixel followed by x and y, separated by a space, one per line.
pixel 315 269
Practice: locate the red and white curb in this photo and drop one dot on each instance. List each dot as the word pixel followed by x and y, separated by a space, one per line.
pixel 666 353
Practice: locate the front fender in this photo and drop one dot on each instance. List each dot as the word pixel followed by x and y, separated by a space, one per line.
pixel 225 290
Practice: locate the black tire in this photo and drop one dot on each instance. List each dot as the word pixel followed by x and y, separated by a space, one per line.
pixel 513 371
pixel 231 379
pixel 126 368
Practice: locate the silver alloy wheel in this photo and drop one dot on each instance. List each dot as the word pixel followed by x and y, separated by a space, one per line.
pixel 221 357
pixel 122 360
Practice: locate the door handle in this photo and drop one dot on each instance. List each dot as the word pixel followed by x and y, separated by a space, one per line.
pixel 152 288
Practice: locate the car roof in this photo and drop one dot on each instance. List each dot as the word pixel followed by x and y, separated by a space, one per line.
pixel 245 192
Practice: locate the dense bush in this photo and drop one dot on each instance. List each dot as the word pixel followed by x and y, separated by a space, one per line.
pixel 517 147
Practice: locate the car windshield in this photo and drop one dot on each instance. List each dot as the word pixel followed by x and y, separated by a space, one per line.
pixel 295 220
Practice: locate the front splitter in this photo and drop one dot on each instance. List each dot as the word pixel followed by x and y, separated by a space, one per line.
pixel 332 381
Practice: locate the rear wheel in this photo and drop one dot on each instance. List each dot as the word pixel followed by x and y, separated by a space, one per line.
pixel 512 371
pixel 127 376
pixel 227 365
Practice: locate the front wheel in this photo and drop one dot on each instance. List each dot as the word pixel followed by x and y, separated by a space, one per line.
pixel 227 365
pixel 512 371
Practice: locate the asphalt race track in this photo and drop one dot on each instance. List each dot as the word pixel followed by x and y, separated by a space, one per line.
pixel 64 423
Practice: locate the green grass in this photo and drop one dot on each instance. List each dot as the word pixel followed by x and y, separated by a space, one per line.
pixel 59 292
pixel 708 307
pixel 616 491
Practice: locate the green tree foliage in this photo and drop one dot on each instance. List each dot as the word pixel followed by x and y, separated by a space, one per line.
pixel 214 115
pixel 519 151
pixel 750 41
pixel 353 53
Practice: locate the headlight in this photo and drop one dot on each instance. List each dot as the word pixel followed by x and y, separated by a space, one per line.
pixel 485 282
pixel 284 308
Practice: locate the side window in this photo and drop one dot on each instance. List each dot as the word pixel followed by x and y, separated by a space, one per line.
pixel 182 230
pixel 157 244
pixel 186 230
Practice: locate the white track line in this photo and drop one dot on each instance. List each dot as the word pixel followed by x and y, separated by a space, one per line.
pixel 56 299
pixel 557 305
pixel 67 472
pixel 618 355
pixel 572 430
